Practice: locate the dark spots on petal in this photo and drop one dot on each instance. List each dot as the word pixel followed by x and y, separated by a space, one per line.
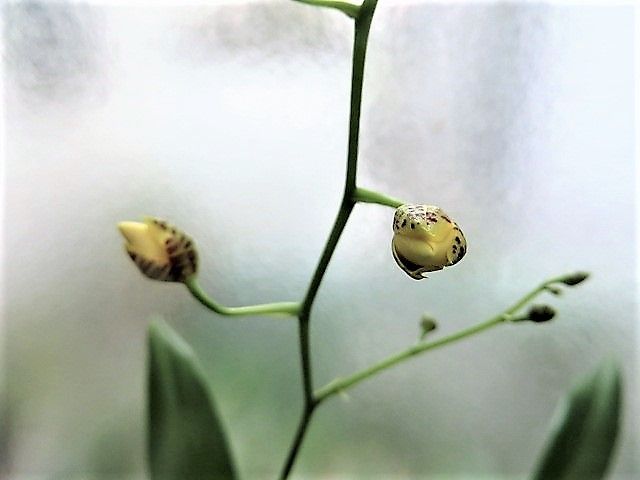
pixel 458 240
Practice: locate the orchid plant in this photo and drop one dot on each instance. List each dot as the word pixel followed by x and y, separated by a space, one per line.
pixel 185 437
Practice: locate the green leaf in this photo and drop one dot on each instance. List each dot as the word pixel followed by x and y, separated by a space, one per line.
pixel 186 440
pixel 585 434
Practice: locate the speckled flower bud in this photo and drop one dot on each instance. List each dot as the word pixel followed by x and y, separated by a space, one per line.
pixel 160 251
pixel 425 239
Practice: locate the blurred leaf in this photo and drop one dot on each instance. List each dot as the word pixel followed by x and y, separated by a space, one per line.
pixel 186 440
pixel 583 439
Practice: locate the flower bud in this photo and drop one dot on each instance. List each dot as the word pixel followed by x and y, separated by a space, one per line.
pixel 575 278
pixel 553 289
pixel 160 251
pixel 427 324
pixel 541 313
pixel 425 239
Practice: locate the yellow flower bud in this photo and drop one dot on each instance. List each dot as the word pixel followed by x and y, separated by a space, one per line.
pixel 160 251
pixel 425 239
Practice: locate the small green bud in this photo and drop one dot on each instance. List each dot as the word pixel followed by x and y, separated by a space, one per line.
pixel 427 324
pixel 553 289
pixel 541 313
pixel 575 278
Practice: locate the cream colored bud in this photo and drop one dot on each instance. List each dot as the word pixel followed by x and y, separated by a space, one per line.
pixel 425 239
pixel 160 251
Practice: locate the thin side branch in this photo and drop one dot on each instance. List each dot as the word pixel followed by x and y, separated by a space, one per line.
pixel 364 195
pixel 347 8
pixel 289 309
pixel 341 384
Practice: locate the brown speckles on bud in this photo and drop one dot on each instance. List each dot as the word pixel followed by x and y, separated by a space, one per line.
pixel 160 251
pixel 425 240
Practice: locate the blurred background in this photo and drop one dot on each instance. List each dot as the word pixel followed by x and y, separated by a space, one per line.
pixel 230 120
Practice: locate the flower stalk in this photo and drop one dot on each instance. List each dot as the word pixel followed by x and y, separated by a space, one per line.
pixel 363 195
pixel 507 316
pixel 341 384
pixel 349 9
pixel 362 24
pixel 289 309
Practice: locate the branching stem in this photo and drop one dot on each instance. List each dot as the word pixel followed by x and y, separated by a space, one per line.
pixel 362 18
pixel 341 384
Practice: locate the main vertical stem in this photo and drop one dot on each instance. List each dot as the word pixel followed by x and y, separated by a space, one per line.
pixel 297 442
pixel 360 40
pixel 361 36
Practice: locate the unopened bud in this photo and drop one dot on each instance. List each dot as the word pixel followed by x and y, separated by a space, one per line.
pixel 575 278
pixel 159 250
pixel 427 324
pixel 425 239
pixel 541 313
pixel 553 289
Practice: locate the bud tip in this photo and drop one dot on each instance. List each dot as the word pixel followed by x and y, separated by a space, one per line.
pixel 575 278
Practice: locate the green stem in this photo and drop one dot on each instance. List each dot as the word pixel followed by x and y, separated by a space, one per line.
pixel 363 16
pixel 371 196
pixel 281 308
pixel 361 35
pixel 341 384
pixel 532 294
pixel 345 7
pixel 297 441
pixel 305 310
pixel 360 40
